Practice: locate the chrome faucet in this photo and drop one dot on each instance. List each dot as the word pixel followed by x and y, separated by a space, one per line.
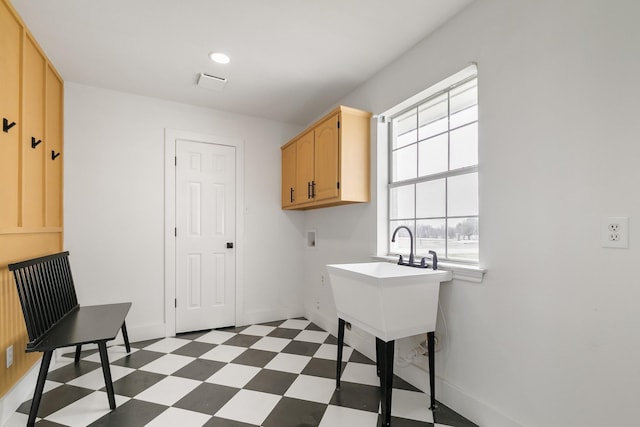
pixel 393 239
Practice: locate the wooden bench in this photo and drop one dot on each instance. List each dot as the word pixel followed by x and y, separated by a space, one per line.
pixel 54 319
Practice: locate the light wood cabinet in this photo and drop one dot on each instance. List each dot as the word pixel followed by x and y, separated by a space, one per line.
pixel 289 175
pixel 304 167
pixel 52 150
pixel 331 160
pixel 33 67
pixel 326 183
pixel 10 48
pixel 31 217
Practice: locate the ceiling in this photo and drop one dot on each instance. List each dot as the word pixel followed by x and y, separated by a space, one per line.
pixel 291 60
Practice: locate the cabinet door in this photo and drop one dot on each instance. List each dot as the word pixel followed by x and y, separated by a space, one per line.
pixel 327 148
pixel 33 69
pixel 289 193
pixel 53 144
pixel 304 167
pixel 10 47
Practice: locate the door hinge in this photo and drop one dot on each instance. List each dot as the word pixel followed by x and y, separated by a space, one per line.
pixel 175 302
pixel 175 231
pixel 176 160
pixel 338 124
pixel 338 185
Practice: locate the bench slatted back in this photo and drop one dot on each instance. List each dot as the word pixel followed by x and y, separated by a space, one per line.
pixel 46 292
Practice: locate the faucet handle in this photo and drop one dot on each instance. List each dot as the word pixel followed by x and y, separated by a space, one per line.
pixel 434 259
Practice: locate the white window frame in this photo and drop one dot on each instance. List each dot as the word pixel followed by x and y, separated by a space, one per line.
pixel 464 271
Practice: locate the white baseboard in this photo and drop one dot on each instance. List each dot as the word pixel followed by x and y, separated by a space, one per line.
pixel 142 333
pixel 263 316
pixel 463 403
pixel 22 390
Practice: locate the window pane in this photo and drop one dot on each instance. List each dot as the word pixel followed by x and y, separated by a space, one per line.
pixel 464 116
pixel 433 154
pixel 405 163
pixel 464 237
pixel 405 129
pixel 402 243
pixel 464 147
pixel 430 199
pixel 402 203
pixel 432 117
pixel 463 195
pixel 463 104
pixel 430 236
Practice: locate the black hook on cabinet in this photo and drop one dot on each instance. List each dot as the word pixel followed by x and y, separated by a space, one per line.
pixel 54 155
pixel 6 125
pixel 34 142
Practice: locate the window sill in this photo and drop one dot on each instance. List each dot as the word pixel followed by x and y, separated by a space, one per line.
pixel 466 273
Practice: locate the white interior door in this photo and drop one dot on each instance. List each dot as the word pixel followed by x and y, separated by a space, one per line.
pixel 205 236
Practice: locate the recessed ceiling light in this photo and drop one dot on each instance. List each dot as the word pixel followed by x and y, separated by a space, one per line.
pixel 219 57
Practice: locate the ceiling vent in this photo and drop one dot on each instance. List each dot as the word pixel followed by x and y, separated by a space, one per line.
pixel 211 82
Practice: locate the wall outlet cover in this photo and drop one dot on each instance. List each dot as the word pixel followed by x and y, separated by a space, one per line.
pixel 615 232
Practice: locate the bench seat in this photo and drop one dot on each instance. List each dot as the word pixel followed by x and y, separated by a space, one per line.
pixel 84 325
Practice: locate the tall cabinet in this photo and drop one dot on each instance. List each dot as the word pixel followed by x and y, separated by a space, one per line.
pixel 328 164
pixel 31 170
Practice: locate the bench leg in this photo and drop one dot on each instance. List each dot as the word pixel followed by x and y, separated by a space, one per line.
pixel 106 371
pixel 37 394
pixel 78 350
pixel 125 336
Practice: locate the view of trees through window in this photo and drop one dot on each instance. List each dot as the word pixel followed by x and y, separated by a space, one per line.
pixel 433 186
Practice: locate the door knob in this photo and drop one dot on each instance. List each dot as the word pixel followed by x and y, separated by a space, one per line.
pixel 229 245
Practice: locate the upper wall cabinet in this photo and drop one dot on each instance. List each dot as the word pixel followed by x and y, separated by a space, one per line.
pixel 328 163
pixel 31 107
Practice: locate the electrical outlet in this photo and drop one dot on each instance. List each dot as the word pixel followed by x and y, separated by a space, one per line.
pixel 615 232
pixel 9 356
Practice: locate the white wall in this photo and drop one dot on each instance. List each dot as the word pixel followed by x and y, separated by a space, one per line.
pixel 550 338
pixel 114 204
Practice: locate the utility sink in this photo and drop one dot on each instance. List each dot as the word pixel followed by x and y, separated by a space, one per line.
pixel 389 301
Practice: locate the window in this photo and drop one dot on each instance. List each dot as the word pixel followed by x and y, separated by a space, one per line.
pixel 433 176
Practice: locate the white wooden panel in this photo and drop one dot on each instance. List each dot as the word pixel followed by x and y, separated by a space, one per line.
pixel 194 280
pixel 219 274
pixel 195 161
pixel 219 208
pixel 218 165
pixel 195 209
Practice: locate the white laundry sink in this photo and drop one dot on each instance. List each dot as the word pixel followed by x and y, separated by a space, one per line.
pixel 387 300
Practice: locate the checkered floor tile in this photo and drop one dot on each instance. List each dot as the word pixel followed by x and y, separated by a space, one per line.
pixel 277 374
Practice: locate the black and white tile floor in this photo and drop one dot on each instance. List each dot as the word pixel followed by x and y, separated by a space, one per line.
pixel 277 374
